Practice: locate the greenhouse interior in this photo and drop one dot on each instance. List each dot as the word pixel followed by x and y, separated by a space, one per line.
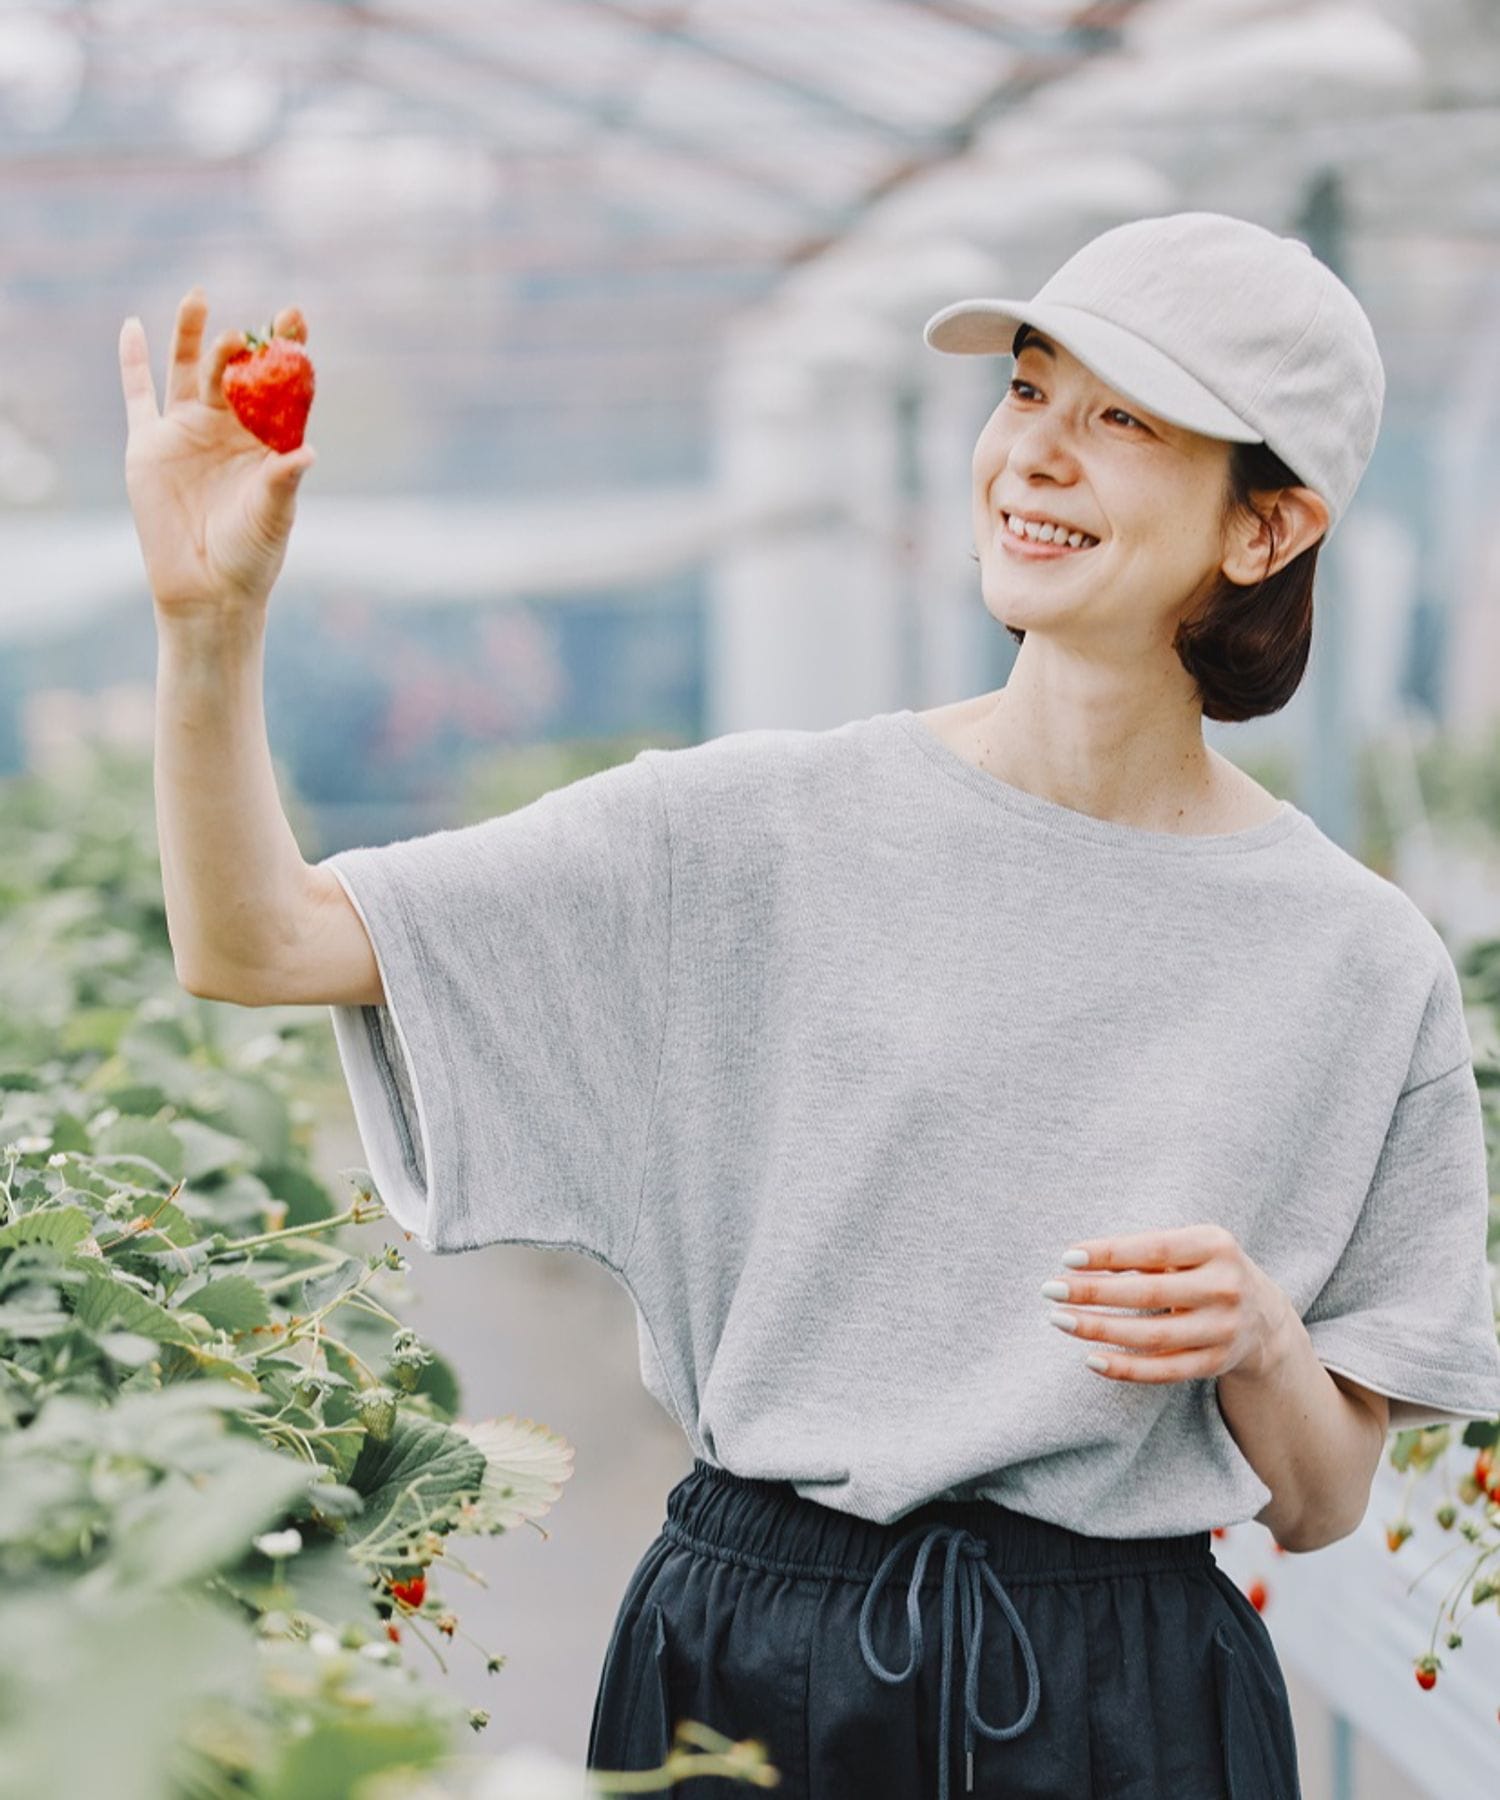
pixel 628 438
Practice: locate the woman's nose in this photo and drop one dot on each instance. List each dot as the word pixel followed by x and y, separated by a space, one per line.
pixel 1038 445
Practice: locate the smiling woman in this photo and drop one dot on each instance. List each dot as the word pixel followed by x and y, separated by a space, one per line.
pixel 1245 645
pixel 1221 537
pixel 1094 995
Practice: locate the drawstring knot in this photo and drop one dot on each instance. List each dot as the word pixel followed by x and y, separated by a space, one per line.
pixel 973 1551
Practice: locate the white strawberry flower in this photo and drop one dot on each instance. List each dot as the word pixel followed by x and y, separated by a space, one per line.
pixel 279 1543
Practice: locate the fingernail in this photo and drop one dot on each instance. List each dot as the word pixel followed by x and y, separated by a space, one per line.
pixel 1096 1362
pixel 1054 1290
pixel 1063 1321
pixel 1074 1259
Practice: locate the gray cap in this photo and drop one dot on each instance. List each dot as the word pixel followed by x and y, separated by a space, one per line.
pixel 1214 323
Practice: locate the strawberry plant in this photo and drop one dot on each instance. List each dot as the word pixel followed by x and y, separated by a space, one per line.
pixel 226 1465
pixel 232 1480
pixel 1465 1460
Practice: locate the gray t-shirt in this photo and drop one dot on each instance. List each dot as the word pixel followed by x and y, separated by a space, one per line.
pixel 828 1044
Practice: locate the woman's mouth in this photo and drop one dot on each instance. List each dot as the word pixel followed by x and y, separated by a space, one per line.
pixel 1037 549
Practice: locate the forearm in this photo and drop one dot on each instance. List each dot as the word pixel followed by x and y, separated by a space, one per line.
pixel 232 872
pixel 1315 1446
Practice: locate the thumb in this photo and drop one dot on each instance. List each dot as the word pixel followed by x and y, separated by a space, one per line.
pixel 281 476
pixel 290 466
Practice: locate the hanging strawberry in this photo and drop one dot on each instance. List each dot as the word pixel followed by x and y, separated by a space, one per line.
pixel 410 1593
pixel 269 388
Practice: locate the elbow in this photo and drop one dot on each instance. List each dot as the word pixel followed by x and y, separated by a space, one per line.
pixel 1329 1526
pixel 187 983
pixel 193 983
pixel 201 987
pixel 1319 1537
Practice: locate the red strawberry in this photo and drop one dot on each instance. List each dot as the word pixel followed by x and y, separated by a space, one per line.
pixel 269 387
pixel 410 1593
pixel 1426 1671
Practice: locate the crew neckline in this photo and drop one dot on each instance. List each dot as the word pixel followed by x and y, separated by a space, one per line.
pixel 1025 805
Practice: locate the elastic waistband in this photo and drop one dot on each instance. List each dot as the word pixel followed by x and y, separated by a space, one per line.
pixel 770 1525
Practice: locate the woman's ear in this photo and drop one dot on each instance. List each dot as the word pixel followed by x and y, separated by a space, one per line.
pixel 1300 517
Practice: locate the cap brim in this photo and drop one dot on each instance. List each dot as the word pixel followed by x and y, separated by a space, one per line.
pixel 1137 370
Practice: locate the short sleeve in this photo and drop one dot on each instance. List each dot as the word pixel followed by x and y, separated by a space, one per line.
pixel 504 1092
pixel 1409 1309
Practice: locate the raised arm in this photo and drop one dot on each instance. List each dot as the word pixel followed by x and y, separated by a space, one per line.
pixel 249 920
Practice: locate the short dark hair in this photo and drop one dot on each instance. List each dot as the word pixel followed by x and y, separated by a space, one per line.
pixel 1246 647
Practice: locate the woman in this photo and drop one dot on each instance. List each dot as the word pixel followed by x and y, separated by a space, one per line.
pixel 836 1047
pixel 1089 980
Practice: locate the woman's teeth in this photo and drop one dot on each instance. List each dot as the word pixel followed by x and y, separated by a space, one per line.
pixel 1048 534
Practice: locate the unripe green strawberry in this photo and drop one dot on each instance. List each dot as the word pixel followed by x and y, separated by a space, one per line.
pixel 269 388
pixel 377 1409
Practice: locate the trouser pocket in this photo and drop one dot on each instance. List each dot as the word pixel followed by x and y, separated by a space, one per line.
pixel 1260 1756
pixel 630 1711
pixel 632 1726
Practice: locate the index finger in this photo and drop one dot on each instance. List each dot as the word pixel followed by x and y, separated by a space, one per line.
pixel 135 375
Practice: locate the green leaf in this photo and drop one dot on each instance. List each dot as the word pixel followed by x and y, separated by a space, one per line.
pixel 159 1050
pixel 231 1303
pixel 307 1199
pixel 93 1028
pixel 337 1754
pixel 97 1694
pixel 422 1466
pixel 180 1361
pixel 208 1150
pixel 69 1132
pixel 63 1227
pixel 106 1302
pixel 185 1529
pixel 318 1290
pixel 128 1348
pixel 333 1499
pixel 149 1138
pixel 525 1467
pixel 438 1380
pixel 321 1579
pixel 249 1110
pixel 135 1097
pixel 33 1322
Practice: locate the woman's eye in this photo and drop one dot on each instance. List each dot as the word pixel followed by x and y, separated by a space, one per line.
pixel 1018 383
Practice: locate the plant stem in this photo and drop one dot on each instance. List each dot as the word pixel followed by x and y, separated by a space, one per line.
pixel 354 1215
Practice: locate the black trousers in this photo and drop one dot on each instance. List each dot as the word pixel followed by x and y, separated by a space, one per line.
pixel 964 1649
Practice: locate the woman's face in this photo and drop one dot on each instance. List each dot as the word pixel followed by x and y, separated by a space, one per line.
pixel 1063 446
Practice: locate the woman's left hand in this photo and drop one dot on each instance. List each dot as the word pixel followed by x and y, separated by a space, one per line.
pixel 1226 1311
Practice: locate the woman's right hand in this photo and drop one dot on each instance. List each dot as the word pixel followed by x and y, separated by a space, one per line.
pixel 213 505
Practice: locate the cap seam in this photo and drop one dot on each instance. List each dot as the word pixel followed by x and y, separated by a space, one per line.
pixel 1271 376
